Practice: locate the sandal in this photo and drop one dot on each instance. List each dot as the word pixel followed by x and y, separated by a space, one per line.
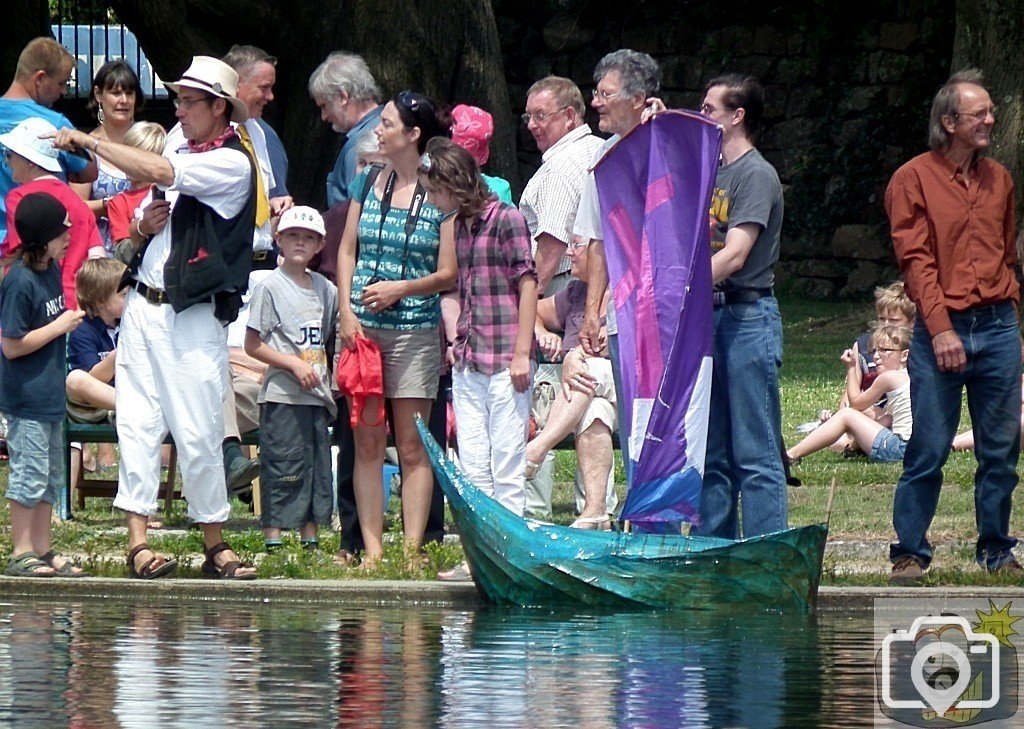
pixel 226 571
pixel 156 566
pixel 68 569
pixel 592 523
pixel 27 565
pixel 458 573
pixel 345 558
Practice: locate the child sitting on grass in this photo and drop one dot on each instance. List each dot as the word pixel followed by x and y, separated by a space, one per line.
pixel 34 321
pixel 892 308
pixel 882 434
pixel 292 316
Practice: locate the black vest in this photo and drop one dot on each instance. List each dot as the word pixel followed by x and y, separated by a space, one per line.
pixel 211 256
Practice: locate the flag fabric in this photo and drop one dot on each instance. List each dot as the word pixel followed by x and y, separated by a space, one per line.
pixel 655 188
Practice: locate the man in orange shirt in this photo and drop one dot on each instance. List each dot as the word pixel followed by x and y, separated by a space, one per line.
pixel 952 216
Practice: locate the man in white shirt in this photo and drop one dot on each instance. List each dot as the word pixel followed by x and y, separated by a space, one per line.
pixel 554 116
pixel 186 283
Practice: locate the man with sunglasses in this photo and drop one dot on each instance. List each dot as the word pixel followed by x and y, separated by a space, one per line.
pixel 554 116
pixel 951 213
pixel 187 278
pixel 41 78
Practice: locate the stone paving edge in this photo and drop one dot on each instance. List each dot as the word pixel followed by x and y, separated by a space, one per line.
pixel 398 593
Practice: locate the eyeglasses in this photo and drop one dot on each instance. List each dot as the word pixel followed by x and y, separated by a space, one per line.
pixel 605 95
pixel 709 110
pixel 980 115
pixel 578 243
pixel 540 116
pixel 186 104
pixel 883 350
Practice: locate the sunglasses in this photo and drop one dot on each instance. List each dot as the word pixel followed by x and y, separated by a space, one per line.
pixel 414 103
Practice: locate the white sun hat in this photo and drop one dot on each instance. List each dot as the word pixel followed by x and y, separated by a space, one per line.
pixel 24 140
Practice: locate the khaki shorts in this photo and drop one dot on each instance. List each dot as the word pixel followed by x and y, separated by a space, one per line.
pixel 602 407
pixel 412 361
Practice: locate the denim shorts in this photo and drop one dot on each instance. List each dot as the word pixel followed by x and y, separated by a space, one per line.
pixel 37 461
pixel 888 447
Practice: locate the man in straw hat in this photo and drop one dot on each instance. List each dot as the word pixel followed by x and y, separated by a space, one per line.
pixel 186 282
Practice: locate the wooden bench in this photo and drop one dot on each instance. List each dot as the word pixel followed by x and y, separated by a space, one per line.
pixel 105 487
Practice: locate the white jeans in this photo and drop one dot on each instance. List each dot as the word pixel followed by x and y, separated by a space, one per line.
pixel 171 373
pixel 492 421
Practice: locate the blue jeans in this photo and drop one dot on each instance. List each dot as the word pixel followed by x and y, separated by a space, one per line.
pixel 992 378
pixel 744 457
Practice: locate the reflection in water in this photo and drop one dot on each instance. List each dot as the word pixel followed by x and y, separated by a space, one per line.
pixel 212 664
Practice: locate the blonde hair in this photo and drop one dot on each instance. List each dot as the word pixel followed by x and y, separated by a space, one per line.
pixel 894 296
pixel 43 54
pixel 565 92
pixel 894 336
pixel 149 136
pixel 97 281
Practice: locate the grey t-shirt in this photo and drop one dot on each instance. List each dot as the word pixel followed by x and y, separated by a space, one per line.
pixel 297 321
pixel 748 191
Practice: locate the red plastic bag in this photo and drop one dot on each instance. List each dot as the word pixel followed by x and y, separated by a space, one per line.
pixel 360 376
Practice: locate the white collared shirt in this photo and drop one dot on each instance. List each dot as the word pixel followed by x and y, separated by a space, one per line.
pixel 552 196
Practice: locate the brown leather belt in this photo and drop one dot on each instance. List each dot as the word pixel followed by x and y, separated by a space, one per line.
pixel 153 296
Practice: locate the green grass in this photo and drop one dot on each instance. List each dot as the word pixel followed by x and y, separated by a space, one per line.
pixel 816 333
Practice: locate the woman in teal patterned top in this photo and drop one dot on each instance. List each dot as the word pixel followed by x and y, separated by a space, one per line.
pixel 389 294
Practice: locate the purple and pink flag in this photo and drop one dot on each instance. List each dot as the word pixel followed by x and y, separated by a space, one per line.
pixel 655 189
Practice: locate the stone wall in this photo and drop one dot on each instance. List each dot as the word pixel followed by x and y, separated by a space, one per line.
pixel 847 101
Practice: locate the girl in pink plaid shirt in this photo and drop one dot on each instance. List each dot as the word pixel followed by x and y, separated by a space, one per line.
pixel 491 345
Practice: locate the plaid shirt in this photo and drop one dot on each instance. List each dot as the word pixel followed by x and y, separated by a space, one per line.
pixel 493 255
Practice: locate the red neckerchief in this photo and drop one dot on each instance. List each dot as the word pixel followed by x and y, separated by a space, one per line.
pixel 216 143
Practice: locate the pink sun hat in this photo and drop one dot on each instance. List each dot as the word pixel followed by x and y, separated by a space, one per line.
pixel 473 130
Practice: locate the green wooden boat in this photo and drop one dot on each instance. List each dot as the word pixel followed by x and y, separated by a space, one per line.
pixel 529 563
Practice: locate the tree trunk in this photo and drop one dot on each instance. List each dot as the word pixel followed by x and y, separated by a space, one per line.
pixel 448 49
pixel 990 36
pixel 23 21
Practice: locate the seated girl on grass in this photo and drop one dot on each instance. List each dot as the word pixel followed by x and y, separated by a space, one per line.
pixel 881 433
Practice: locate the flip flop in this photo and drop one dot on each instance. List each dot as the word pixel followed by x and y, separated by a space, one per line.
pixel 68 569
pixel 26 565
pixel 226 571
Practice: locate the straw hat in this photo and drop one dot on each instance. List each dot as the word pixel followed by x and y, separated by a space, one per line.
pixel 214 77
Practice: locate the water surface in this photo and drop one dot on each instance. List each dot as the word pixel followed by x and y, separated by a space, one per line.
pixel 93 663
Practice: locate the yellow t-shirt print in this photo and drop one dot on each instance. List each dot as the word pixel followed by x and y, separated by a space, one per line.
pixel 718 218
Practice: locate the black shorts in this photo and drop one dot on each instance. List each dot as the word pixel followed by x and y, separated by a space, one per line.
pixel 295 466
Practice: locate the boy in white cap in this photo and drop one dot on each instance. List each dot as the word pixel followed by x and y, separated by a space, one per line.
pixel 187 278
pixel 292 317
pixel 35 166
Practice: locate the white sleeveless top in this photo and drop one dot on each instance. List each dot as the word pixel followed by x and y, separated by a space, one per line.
pixel 897 406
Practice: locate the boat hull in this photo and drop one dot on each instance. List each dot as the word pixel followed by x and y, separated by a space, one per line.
pixel 529 563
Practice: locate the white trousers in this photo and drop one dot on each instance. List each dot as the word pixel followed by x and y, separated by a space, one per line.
pixel 171 373
pixel 492 423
